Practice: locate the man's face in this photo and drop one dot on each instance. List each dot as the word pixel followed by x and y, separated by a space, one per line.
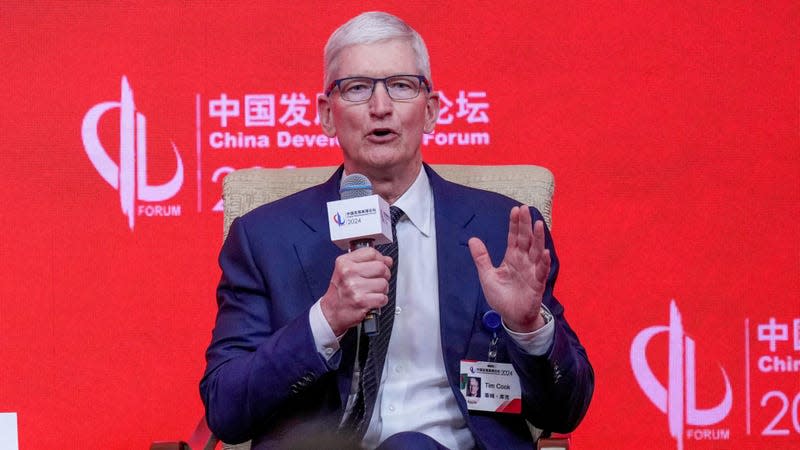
pixel 380 137
pixel 473 386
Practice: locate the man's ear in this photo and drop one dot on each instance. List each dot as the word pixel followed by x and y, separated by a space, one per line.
pixel 431 112
pixel 326 115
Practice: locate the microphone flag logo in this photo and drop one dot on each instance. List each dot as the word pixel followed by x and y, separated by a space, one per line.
pixel 129 177
pixel 678 398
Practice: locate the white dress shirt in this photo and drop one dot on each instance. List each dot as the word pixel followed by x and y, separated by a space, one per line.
pixel 415 394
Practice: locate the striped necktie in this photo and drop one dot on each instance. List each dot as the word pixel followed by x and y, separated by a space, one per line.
pixel 379 343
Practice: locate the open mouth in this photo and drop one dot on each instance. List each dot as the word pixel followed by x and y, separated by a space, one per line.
pixel 381 132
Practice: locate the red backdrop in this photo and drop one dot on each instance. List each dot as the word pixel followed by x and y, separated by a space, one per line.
pixel 671 128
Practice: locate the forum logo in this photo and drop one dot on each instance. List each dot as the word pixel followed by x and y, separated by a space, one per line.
pixel 129 176
pixel 678 399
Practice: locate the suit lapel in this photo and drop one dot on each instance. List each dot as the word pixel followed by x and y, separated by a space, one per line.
pixel 459 289
pixel 317 254
pixel 313 245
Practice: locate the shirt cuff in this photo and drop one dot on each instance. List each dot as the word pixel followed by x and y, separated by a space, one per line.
pixel 536 343
pixel 327 343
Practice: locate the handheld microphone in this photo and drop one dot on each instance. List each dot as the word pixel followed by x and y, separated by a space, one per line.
pixel 360 219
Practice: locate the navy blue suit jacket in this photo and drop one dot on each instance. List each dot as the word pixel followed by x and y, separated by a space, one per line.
pixel 266 381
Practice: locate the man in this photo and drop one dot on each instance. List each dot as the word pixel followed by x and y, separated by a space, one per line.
pixel 474 389
pixel 284 347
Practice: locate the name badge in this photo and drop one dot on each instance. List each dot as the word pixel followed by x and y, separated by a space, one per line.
pixel 491 386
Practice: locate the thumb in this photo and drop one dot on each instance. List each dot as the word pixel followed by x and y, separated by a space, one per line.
pixel 480 255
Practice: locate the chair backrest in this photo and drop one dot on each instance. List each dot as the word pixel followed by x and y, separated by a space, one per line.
pixel 246 189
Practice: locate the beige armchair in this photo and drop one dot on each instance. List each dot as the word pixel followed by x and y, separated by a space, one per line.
pixel 244 190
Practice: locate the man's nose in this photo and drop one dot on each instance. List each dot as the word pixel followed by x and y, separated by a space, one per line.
pixel 380 104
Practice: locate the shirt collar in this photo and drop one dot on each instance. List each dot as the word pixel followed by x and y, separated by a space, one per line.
pixel 417 203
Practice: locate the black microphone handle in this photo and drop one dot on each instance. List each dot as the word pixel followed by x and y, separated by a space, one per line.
pixel 370 322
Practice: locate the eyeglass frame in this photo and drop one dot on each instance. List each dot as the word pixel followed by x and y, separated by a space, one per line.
pixel 337 84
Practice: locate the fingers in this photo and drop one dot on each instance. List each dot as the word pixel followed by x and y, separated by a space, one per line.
pixel 359 283
pixel 525 233
pixel 525 240
pixel 343 311
pixel 370 269
pixel 543 268
pixel 364 254
pixel 540 257
pixel 362 264
pixel 537 239
pixel 526 251
pixel 480 255
pixel 520 235
pixel 365 292
pixel 513 227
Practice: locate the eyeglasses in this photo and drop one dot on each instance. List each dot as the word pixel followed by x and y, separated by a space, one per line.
pixel 360 89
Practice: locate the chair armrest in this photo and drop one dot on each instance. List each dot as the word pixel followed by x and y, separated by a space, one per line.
pixel 173 445
pixel 554 442
pixel 201 439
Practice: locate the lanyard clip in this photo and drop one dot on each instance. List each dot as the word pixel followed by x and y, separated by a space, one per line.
pixel 492 321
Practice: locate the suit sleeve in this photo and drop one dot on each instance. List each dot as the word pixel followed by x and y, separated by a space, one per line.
pixel 556 387
pixel 256 362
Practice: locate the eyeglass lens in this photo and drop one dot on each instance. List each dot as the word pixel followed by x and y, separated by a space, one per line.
pixel 399 87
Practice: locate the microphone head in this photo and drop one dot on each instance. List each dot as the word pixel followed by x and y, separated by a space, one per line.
pixel 355 185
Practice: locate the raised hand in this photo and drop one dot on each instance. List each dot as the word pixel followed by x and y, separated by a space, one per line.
pixel 515 288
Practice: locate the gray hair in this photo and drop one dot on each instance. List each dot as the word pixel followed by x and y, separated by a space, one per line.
pixel 369 28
